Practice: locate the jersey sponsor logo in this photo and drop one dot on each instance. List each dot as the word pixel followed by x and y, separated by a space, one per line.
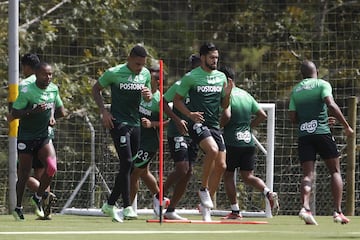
pixel 244 136
pixel 131 86
pixel 305 87
pixel 47 105
pixel 144 111
pixel 21 146
pixel 309 127
pixel 209 88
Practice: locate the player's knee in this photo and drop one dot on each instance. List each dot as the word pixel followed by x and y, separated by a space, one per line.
pixel 51 166
pixel 307 185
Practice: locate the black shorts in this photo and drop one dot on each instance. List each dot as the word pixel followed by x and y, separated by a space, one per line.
pixel 182 149
pixel 323 144
pixel 33 147
pixel 240 157
pixel 143 158
pixel 198 132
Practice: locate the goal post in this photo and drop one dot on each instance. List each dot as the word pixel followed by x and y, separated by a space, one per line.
pixel 266 147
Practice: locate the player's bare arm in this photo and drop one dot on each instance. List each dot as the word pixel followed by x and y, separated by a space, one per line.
pixel 20 113
pixel 259 118
pixel 227 89
pixel 335 111
pixel 146 94
pixel 181 124
pixel 225 117
pixel 293 117
pixel 196 117
pixel 107 117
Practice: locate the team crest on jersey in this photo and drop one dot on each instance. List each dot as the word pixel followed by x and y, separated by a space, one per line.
pixel 136 79
pixel 213 79
pixel 24 89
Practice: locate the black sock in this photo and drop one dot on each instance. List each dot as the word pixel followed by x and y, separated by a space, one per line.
pixel 170 209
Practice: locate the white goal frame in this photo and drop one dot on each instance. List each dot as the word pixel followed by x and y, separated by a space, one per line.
pixel 269 181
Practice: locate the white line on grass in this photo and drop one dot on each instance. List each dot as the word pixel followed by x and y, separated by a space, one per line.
pixel 125 232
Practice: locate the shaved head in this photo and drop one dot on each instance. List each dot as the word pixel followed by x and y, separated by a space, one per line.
pixel 308 69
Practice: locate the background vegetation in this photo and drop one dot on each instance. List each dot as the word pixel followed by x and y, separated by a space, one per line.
pixel 263 40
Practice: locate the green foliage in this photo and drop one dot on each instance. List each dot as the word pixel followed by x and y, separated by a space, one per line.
pixel 262 40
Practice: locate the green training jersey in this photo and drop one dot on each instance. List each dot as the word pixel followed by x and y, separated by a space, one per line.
pixel 149 138
pixel 307 99
pixel 36 125
pixel 205 92
pixel 237 131
pixel 169 95
pixel 126 89
pixel 26 81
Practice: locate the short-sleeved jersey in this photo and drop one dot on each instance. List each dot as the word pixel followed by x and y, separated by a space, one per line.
pixel 149 137
pixel 237 131
pixel 205 92
pixel 26 81
pixel 36 125
pixel 126 89
pixel 169 95
pixel 307 99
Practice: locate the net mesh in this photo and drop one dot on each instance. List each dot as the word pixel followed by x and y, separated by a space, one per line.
pixel 262 40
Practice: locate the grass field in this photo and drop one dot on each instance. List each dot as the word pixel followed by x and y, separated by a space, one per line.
pixel 89 227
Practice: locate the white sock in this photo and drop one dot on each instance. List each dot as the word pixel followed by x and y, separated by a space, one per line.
pixel 235 207
pixel 37 196
pixel 266 190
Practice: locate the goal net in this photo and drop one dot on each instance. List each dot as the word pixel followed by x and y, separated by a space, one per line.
pixel 90 189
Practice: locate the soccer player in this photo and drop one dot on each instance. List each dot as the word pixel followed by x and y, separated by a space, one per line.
pixel 182 150
pixel 129 83
pixel 34 107
pixel 149 143
pixel 208 91
pixel 28 63
pixel 310 102
pixel 240 147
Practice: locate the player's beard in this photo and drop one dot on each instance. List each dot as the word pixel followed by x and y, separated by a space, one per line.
pixel 211 67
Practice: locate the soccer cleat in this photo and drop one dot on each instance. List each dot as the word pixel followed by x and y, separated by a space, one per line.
pixel 18 214
pixel 173 216
pixel 273 199
pixel 49 199
pixel 129 213
pixel 340 218
pixel 156 204
pixel 233 216
pixel 307 216
pixel 111 211
pixel 205 198
pixel 205 212
pixel 37 205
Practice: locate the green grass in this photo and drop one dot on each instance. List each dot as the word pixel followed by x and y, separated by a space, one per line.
pixel 87 228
